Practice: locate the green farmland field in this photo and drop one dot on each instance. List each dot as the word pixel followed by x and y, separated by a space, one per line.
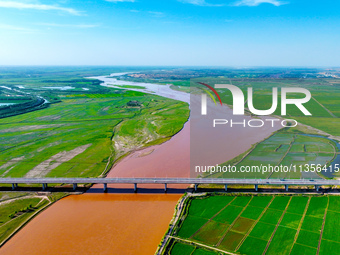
pixel 284 148
pixel 297 224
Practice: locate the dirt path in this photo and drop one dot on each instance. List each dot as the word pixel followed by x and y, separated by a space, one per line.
pixel 203 245
pixel 300 224
pixel 21 197
pixel 322 228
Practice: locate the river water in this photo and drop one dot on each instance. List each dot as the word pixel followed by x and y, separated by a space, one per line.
pixel 121 222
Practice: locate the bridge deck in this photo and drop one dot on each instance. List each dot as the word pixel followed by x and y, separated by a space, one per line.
pixel 170 181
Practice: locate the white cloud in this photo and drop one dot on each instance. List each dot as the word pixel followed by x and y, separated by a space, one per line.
pixel 120 1
pixel 19 5
pixel 15 28
pixel 151 13
pixel 199 2
pixel 156 14
pixel 258 2
pixel 69 25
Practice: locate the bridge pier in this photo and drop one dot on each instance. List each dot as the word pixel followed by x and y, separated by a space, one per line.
pixel 44 186
pixel 14 186
pixel 105 187
pixel 256 187
pixel 226 187
pixel 196 187
pixel 317 187
pixel 286 187
pixel 165 187
pixel 135 187
pixel 74 186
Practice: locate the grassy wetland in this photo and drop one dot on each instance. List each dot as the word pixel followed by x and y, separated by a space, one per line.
pixel 84 132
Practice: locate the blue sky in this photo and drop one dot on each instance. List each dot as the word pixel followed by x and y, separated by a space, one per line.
pixel 234 33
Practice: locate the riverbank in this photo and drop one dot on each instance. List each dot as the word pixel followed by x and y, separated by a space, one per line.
pixel 18 208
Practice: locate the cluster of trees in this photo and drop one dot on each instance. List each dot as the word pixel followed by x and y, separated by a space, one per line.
pixel 15 98
pixel 134 103
pixel 26 209
pixel 15 109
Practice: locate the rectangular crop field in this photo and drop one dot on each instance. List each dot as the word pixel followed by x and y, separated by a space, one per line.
pixel 288 225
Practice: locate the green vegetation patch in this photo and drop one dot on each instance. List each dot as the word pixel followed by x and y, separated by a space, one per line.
pixel 242 225
pixel 303 250
pixel 282 241
pixel 308 238
pixel 8 195
pixel 334 203
pixel 329 125
pixel 231 241
pixel 271 216
pixel 297 204
pixel 211 233
pixel 253 246
pixel 312 224
pixel 180 248
pixel 208 206
pixel 241 201
pixel 331 228
pixel 291 220
pixel 252 212
pixel 262 231
pixel 260 201
pixel 229 214
pixel 204 252
pixel 279 203
pixel 190 226
pixel 17 207
pixel 329 247
pixel 317 206
pixel 130 87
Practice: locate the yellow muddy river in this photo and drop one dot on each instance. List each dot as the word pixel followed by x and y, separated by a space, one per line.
pixel 97 224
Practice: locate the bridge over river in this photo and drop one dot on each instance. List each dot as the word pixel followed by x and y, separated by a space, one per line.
pixel 195 181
